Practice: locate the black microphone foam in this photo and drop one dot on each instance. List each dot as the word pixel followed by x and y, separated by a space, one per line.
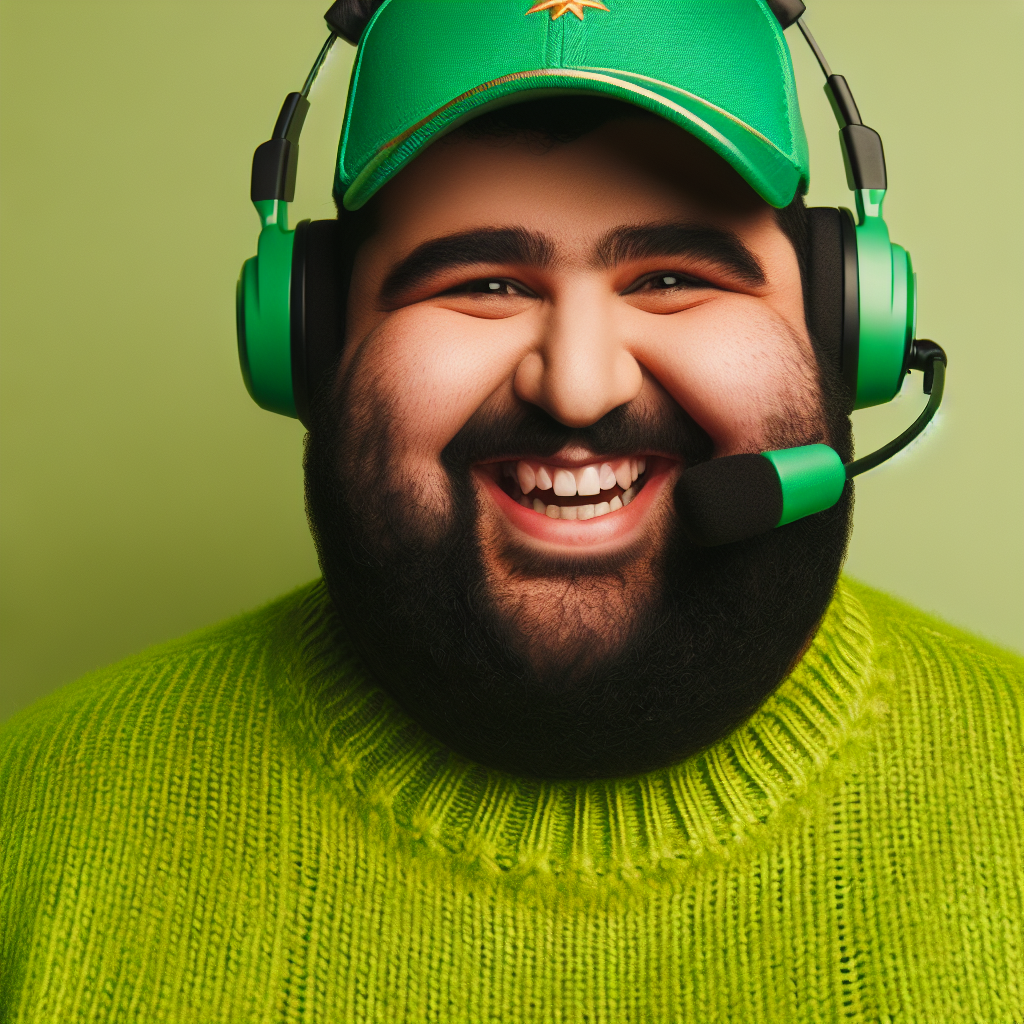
pixel 729 499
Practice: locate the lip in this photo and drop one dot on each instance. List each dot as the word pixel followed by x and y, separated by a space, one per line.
pixel 600 535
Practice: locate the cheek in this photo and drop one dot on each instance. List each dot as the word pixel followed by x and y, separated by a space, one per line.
pixel 735 365
pixel 432 369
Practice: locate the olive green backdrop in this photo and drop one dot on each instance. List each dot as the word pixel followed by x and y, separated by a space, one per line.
pixel 143 495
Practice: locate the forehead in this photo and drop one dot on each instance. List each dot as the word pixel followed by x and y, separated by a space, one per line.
pixel 634 171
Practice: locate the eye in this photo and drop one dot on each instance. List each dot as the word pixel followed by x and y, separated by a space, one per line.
pixel 489 286
pixel 665 282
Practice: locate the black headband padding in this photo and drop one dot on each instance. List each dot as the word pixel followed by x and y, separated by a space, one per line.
pixel 318 307
pixel 348 18
pixel 729 499
pixel 824 300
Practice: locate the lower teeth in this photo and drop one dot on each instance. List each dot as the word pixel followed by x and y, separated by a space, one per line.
pixel 579 511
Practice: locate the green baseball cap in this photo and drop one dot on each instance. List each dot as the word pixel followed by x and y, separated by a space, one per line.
pixel 719 69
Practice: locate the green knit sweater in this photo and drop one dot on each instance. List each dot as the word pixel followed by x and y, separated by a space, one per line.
pixel 236 827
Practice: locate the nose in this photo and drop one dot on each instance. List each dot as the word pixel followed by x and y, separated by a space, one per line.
pixel 580 367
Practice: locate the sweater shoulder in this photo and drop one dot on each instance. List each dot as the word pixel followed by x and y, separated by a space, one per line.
pixel 891 616
pixel 937 667
pixel 155 691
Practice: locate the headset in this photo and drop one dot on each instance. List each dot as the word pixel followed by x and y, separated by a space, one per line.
pixel 860 302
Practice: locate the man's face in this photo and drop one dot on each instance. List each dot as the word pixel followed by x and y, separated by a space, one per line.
pixel 539 340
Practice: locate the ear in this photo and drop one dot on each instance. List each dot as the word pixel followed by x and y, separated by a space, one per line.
pixel 348 18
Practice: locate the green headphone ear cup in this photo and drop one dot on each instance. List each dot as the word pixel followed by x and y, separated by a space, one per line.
pixel 887 312
pixel 861 302
pixel 246 285
pixel 263 316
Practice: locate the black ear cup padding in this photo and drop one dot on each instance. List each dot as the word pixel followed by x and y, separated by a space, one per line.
pixel 824 303
pixel 832 303
pixel 317 307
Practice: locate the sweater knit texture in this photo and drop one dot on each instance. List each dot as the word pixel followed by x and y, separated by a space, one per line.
pixel 238 827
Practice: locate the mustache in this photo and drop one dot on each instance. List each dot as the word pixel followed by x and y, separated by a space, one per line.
pixel 527 431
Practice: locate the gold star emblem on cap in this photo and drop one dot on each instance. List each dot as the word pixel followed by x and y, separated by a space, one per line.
pixel 559 7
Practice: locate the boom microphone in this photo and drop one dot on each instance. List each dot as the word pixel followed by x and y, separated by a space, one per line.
pixel 740 496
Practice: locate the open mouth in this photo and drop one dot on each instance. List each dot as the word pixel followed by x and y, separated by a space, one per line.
pixel 582 492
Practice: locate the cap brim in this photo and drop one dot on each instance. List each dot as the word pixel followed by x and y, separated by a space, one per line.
pixel 775 176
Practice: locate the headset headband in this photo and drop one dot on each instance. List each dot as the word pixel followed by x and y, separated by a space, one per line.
pixel 721 501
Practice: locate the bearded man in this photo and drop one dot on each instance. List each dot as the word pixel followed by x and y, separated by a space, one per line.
pixel 534 749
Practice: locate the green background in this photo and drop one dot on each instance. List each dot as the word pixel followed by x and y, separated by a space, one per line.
pixel 144 495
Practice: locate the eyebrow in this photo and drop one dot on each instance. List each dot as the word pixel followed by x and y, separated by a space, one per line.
pixel 705 244
pixel 486 245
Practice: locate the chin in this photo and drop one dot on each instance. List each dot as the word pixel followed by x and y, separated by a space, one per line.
pixel 580 612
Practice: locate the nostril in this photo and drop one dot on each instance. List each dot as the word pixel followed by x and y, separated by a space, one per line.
pixel 578 384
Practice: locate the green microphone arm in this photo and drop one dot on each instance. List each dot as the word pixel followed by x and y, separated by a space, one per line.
pixel 737 497
pixel 931 359
pixel 812 477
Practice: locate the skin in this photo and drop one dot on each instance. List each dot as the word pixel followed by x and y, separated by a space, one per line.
pixel 578 331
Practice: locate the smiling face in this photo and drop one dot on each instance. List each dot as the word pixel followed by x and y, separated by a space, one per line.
pixel 539 340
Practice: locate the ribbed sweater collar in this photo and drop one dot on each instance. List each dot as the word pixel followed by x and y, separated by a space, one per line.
pixel 363 745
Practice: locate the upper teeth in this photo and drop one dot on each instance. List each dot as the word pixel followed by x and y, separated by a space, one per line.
pixel 591 479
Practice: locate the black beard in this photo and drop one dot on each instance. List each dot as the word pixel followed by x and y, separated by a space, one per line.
pixel 715 632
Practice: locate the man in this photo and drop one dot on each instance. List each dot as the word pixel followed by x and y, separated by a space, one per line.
pixel 530 752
